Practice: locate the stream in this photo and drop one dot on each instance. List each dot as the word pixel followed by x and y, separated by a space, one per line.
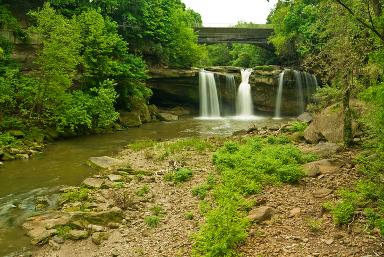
pixel 64 163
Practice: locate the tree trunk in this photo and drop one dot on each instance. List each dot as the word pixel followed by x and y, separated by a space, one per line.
pixel 348 135
pixel 377 7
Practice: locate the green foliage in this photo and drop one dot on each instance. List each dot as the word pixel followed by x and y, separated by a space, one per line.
pixel 189 215
pixel 343 213
pixel 157 210
pixel 63 231
pixel 324 97
pixel 152 221
pixel 7 140
pixel 142 191
pixel 298 126
pixel 314 225
pixel 141 144
pixel 244 169
pixel 179 176
pixel 76 195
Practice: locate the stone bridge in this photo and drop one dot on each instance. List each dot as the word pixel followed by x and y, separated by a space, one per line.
pixel 214 35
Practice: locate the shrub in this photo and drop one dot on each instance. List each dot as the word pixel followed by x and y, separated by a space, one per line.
pixel 179 176
pixel 152 221
pixel 343 212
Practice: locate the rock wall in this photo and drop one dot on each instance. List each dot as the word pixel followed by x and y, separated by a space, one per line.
pixel 181 88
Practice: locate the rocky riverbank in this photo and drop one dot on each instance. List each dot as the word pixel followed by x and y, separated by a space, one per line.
pixel 142 203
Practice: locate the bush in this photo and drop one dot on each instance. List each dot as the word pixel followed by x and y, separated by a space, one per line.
pixel 343 212
pixel 179 176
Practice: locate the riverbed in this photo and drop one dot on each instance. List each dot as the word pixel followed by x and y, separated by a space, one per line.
pixel 64 163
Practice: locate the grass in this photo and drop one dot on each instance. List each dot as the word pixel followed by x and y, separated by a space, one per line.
pixel 142 191
pixel 189 216
pixel 297 126
pixel 157 210
pixel 76 195
pixel 179 176
pixel 152 221
pixel 141 144
pixel 167 149
pixel 244 169
pixel 314 225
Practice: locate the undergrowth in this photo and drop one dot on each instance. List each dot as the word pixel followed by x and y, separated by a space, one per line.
pixel 244 169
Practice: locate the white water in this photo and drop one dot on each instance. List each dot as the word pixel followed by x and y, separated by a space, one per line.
pixel 300 95
pixel 244 104
pixel 230 83
pixel 279 96
pixel 209 101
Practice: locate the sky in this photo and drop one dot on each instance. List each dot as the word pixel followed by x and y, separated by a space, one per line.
pixel 223 13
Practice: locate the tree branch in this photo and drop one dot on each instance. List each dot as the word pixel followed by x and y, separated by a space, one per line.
pixel 365 24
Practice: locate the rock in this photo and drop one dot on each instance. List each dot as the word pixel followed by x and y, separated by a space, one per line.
pixel 324 150
pixel 324 166
pixel 329 124
pixel 113 214
pixel 22 156
pixel 93 182
pixel 321 193
pixel 1 163
pixel 15 151
pixel 328 242
pixel 54 245
pixel 98 237
pixel 104 162
pixel 39 235
pixel 261 214
pixel 7 157
pixel 115 178
pixel 96 228
pixel 58 239
pixel 167 117
pixel 294 212
pixel 130 119
pixel 305 117
pixel 75 234
pixel 311 170
pixel 113 225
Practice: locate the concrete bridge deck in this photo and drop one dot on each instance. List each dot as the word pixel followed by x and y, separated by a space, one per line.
pixel 214 35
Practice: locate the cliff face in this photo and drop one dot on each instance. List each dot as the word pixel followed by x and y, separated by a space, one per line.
pixel 181 88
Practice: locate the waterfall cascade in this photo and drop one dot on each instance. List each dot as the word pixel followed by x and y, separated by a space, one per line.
pixel 304 82
pixel 228 108
pixel 279 96
pixel 244 104
pixel 209 101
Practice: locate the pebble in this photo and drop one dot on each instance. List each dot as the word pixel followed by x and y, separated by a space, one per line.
pixel 54 245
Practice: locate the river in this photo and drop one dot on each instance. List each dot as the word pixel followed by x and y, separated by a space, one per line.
pixel 64 163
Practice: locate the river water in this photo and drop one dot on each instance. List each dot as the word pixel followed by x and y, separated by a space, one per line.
pixel 63 163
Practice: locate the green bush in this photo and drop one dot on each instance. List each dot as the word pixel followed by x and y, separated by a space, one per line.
pixel 76 195
pixel 180 175
pixel 343 212
pixel 244 169
pixel 152 221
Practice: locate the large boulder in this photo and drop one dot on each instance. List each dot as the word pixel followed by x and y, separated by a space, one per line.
pixel 261 214
pixel 163 116
pixel 130 119
pixel 104 162
pixel 328 125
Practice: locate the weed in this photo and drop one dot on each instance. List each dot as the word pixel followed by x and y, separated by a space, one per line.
pixel 244 168
pixel 63 231
pixel 143 191
pixel 189 215
pixel 343 212
pixel 157 210
pixel 152 221
pixel 75 195
pixel 314 224
pixel 201 191
pixel 297 126
pixel 178 176
pixel 141 144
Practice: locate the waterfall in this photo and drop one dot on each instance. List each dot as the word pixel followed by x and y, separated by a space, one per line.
pixel 244 104
pixel 279 96
pixel 230 85
pixel 300 95
pixel 209 102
